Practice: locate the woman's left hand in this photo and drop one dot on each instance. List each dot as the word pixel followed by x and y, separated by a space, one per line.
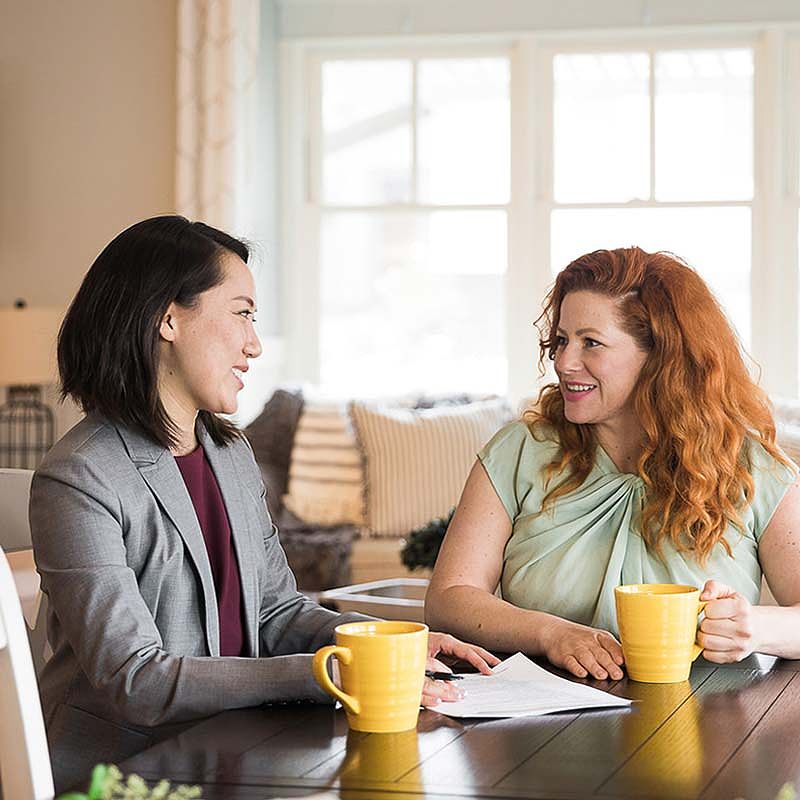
pixel 433 691
pixel 728 632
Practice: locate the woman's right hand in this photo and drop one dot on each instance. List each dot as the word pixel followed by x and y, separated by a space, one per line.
pixel 582 650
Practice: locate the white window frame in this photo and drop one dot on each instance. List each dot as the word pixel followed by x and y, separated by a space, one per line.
pixel 302 225
pixel 790 188
pixel 774 284
pixel 775 204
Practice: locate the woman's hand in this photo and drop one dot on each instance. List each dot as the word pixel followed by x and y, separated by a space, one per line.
pixel 582 650
pixel 433 691
pixel 728 632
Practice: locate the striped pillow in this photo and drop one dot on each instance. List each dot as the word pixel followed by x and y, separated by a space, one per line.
pixel 416 461
pixel 325 476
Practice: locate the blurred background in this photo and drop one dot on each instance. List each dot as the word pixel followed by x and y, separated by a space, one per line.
pixel 413 174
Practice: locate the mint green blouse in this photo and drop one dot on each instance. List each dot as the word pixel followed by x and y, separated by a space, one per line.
pixel 567 560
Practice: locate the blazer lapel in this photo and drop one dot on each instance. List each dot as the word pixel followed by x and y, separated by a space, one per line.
pixel 159 470
pixel 239 506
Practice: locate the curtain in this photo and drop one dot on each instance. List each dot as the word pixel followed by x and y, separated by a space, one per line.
pixel 217 79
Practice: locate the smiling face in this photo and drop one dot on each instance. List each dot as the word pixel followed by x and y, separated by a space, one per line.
pixel 597 362
pixel 205 348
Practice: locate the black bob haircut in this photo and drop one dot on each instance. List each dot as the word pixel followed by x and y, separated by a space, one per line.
pixel 108 345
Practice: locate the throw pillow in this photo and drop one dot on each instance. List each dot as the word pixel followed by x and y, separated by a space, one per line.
pixel 416 461
pixel 271 435
pixel 325 475
pixel 787 422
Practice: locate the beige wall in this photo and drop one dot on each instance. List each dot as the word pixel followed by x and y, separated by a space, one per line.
pixel 87 134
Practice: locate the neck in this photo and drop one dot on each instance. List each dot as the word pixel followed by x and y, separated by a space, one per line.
pixel 184 445
pixel 623 441
pixel 183 417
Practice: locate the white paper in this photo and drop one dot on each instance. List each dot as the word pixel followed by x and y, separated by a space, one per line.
pixel 519 688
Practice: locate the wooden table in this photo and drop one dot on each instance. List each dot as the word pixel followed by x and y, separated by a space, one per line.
pixel 728 732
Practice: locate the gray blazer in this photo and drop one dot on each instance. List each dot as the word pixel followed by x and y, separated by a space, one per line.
pixel 133 618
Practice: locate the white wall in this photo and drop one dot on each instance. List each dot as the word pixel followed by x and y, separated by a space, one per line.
pixel 87 136
pixel 333 18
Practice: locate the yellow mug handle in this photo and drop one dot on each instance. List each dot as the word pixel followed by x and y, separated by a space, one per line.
pixel 696 649
pixel 319 666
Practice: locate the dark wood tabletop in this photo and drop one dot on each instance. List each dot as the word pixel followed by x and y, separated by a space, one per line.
pixel 728 732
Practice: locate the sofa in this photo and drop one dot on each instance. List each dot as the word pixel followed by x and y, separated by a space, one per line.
pixel 325 554
pixel 342 521
pixel 319 557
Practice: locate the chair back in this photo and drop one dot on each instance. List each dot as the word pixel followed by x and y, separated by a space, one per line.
pixel 25 772
pixel 15 534
pixel 15 491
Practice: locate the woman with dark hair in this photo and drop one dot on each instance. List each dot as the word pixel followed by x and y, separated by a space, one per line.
pixel 169 594
pixel 652 460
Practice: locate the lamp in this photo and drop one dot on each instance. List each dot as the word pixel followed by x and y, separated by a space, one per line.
pixel 27 349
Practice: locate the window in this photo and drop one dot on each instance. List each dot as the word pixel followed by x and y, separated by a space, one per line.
pixel 415 170
pixel 438 191
pixel 655 148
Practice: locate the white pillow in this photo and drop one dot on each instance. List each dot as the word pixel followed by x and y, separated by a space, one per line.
pixel 787 423
pixel 416 461
pixel 325 475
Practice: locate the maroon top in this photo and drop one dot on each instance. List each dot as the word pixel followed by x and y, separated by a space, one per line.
pixel 213 518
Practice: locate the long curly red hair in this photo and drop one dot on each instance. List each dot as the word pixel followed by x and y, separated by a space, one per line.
pixel 694 398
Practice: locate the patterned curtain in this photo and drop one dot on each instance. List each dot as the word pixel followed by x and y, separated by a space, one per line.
pixel 218 50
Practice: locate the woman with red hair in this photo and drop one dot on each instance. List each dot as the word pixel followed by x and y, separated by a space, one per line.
pixel 652 460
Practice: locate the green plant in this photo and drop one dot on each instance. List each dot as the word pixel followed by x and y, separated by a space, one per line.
pixel 422 545
pixel 107 784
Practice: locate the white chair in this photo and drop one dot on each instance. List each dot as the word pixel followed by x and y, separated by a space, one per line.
pixel 15 535
pixel 25 772
pixel 15 490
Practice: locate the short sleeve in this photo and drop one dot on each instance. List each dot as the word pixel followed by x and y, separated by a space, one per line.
pixel 502 457
pixel 771 480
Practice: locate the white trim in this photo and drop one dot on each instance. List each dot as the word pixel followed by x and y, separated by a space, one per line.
pixel 773 277
pixel 314 132
pixel 412 49
pixel 393 208
pixel 657 204
pixel 526 278
pixel 791 94
pixel 299 222
pixel 378 44
pixel 791 186
pixel 414 123
pixel 651 103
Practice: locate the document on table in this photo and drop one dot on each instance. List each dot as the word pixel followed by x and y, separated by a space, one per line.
pixel 519 688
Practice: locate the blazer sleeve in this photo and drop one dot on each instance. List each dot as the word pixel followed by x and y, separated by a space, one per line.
pixel 77 526
pixel 289 622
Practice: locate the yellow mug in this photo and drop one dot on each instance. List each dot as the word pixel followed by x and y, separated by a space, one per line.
pixel 382 668
pixel 657 627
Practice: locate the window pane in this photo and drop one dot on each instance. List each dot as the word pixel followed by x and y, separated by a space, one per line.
pixel 704 125
pixel 463 130
pixel 715 241
pixel 601 133
pixel 408 306
pixel 366 123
